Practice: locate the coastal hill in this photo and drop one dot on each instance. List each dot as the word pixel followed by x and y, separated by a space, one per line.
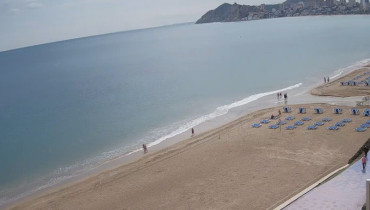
pixel 236 12
pixel 229 13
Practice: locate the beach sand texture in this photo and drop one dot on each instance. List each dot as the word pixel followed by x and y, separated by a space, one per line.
pixel 232 167
pixel 334 88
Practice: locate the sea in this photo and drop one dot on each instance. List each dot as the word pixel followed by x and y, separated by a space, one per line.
pixel 69 107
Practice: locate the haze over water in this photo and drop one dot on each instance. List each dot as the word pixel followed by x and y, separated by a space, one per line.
pixel 66 107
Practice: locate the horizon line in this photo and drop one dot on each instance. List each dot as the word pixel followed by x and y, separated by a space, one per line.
pixel 96 35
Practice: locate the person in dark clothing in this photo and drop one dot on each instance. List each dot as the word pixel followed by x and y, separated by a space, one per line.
pixel 192 131
pixel 363 159
pixel 366 150
pixel 145 148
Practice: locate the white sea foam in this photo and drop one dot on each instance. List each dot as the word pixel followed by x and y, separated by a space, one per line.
pixel 337 75
pixel 350 68
pixel 222 110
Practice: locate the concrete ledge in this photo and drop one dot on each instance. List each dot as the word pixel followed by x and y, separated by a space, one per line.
pixel 292 199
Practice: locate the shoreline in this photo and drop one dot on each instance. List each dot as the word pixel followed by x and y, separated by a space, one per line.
pixel 184 146
pixel 165 145
pixel 335 89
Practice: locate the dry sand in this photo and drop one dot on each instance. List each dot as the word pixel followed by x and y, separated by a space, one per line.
pixel 232 167
pixel 334 88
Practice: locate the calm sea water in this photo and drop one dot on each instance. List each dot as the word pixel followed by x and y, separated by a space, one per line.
pixel 68 106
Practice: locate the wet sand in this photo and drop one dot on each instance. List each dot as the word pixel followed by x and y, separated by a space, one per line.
pixel 231 167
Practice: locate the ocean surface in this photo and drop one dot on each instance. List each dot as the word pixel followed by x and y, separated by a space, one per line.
pixel 67 107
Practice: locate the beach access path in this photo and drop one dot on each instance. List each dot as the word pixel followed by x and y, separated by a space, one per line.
pixel 347 190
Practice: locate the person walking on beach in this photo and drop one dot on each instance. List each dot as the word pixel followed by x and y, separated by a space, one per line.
pixel 328 79
pixel 363 162
pixel 366 150
pixel 192 131
pixel 324 79
pixel 145 148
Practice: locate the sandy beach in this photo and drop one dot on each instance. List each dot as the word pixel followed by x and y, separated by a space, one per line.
pixel 333 88
pixel 231 167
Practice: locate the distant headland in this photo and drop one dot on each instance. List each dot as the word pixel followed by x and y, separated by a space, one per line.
pixel 236 12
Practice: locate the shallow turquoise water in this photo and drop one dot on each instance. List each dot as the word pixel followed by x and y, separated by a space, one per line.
pixel 67 106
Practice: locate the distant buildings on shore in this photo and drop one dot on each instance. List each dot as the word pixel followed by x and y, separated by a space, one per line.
pixel 312 7
pixel 290 8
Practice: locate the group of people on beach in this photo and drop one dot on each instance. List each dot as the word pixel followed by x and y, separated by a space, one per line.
pixel 326 79
pixel 280 96
pixel 276 116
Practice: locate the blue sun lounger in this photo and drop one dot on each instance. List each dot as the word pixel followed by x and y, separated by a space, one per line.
pixel 256 125
pixel 319 123
pixel 266 121
pixel 312 127
pixel 365 125
pixel 281 123
pixel 326 119
pixel 352 83
pixel 290 118
pixel 273 126
pixel 290 127
pixel 333 128
pixel 368 122
pixel 306 119
pixel 341 124
pixel 346 120
pixel 355 111
pixel 360 129
pixel 287 109
pixel 367 112
pixel 299 123
pixel 302 110
pixel 337 111
pixel 318 110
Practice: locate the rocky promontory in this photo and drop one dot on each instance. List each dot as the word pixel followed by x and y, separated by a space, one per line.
pixel 236 12
pixel 228 13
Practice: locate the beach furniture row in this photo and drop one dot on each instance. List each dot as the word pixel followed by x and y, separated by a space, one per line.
pixel 353 81
pixel 361 75
pixel 315 125
pixel 353 111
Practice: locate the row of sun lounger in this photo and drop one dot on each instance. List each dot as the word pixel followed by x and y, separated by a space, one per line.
pixel 361 75
pixel 352 82
pixel 337 125
pixel 353 111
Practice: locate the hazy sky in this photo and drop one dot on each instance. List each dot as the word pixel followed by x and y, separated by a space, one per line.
pixel 30 22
